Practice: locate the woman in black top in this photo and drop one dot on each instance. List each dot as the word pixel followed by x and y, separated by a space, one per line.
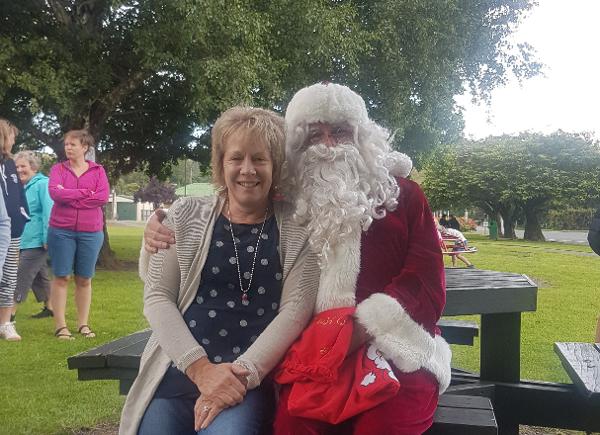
pixel 16 206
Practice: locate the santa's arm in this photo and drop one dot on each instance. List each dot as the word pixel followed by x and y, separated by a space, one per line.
pixel 401 319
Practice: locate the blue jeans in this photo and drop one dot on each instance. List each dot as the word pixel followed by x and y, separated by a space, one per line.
pixel 175 416
pixel 74 251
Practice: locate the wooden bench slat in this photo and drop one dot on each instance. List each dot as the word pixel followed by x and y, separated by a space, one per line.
pixel 458 331
pixel 123 354
pixel 464 401
pixel 464 422
pixel 128 357
pixel 97 357
pixel 464 415
pixel 84 374
pixel 582 363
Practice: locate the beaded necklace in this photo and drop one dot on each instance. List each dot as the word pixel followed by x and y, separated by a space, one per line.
pixel 237 258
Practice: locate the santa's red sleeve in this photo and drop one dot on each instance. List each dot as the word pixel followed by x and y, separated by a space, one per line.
pixel 400 313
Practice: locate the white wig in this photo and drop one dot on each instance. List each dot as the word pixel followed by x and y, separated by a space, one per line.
pixel 332 103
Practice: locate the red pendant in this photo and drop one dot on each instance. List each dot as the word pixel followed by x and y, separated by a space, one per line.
pixel 244 297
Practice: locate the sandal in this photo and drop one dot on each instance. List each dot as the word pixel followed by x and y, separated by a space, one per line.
pixel 87 334
pixel 63 335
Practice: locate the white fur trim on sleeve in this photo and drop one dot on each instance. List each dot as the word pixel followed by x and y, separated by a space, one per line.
pixel 402 340
pixel 439 364
pixel 398 336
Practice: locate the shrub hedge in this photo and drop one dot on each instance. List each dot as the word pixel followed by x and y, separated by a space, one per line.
pixel 568 219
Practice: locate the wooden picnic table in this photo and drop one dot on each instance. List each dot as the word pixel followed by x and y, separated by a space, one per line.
pixel 498 297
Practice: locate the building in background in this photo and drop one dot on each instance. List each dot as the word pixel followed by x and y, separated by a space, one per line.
pixel 122 208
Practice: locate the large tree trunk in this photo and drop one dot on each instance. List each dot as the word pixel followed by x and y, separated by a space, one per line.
pixel 94 122
pixel 107 258
pixel 495 216
pixel 509 228
pixel 508 218
pixel 508 213
pixel 533 229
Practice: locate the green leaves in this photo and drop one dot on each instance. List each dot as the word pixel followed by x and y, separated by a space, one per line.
pixel 146 75
pixel 529 172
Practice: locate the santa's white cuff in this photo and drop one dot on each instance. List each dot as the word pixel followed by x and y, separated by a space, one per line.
pixel 402 340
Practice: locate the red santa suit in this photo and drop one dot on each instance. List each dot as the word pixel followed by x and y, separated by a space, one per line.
pixel 399 292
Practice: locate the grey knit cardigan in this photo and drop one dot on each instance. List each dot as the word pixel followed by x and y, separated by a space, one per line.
pixel 171 280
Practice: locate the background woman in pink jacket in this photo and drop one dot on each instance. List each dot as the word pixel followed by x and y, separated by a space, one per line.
pixel 79 188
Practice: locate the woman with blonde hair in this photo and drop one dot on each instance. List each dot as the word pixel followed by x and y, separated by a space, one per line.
pixel 16 206
pixel 227 301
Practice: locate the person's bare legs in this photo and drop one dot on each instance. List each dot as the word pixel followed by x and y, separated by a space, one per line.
pixel 83 300
pixel 453 260
pixel 464 260
pixel 59 301
pixel 5 313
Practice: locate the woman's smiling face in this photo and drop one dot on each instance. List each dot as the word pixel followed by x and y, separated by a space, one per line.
pixel 248 171
pixel 24 170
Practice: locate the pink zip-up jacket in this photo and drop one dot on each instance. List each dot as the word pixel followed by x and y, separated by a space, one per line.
pixel 78 205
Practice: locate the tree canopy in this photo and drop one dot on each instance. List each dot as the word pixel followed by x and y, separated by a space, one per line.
pixel 516 176
pixel 149 77
pixel 157 192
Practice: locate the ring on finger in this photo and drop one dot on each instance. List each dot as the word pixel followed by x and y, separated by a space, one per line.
pixel 205 409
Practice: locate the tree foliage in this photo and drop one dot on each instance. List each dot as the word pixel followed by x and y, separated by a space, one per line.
pixel 511 176
pixel 425 53
pixel 157 192
pixel 149 77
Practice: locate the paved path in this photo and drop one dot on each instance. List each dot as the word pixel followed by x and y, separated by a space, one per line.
pixel 575 237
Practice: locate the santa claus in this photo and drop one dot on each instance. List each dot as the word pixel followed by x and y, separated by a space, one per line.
pixel 380 258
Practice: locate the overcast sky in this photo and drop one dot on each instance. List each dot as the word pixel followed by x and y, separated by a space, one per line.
pixel 566 35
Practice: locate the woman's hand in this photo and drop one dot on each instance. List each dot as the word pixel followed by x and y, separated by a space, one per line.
pixel 156 235
pixel 205 412
pixel 218 383
pixel 221 386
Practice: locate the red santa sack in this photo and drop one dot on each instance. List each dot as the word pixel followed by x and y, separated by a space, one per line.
pixel 325 383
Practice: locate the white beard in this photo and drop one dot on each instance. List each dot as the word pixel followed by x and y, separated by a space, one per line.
pixel 333 196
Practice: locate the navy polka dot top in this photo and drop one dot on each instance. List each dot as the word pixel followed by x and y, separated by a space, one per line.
pixel 221 319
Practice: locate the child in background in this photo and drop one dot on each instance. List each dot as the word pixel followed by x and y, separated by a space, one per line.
pixel 460 244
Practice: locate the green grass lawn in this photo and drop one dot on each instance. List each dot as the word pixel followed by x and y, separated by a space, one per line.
pixel 40 395
pixel 568 277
